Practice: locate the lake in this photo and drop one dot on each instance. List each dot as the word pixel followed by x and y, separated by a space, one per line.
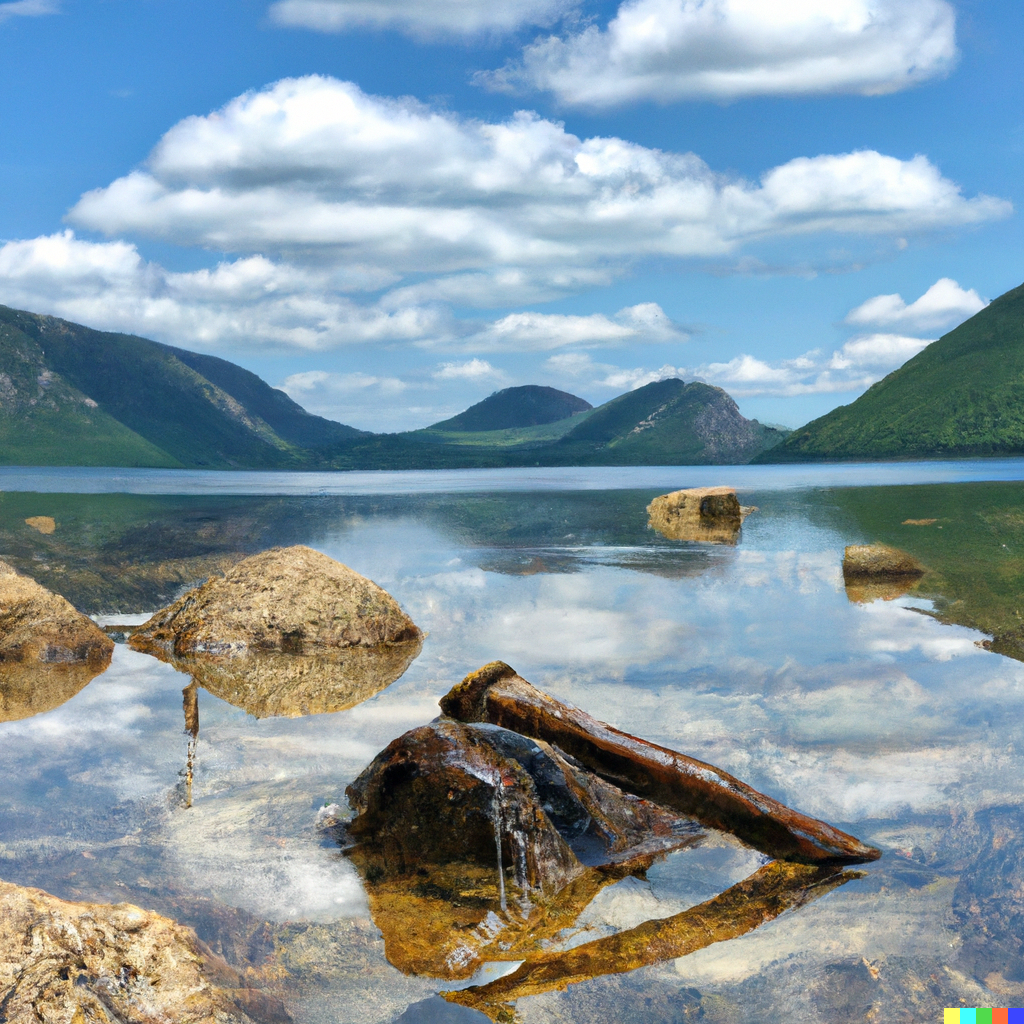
pixel 881 713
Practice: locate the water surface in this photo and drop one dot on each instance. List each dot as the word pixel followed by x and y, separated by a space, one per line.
pixel 885 718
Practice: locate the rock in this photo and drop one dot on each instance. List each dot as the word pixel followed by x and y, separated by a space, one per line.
pixel 712 515
pixel 285 599
pixel 37 626
pixel 862 561
pixel 271 683
pixel 497 694
pixel 477 844
pixel 71 963
pixel 44 524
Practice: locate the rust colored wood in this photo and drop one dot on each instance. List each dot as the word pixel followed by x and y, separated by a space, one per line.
pixel 768 892
pixel 497 694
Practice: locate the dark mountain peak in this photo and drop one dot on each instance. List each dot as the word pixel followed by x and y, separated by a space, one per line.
pixel 527 406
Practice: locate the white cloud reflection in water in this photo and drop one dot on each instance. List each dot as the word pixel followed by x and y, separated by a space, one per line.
pixel 752 658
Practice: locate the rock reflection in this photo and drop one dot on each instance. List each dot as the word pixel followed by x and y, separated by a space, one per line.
pixel 190 704
pixel 28 689
pixel 270 684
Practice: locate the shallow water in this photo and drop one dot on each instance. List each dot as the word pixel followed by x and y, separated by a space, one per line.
pixel 877 717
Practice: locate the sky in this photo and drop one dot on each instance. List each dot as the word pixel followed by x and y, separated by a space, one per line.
pixel 392 208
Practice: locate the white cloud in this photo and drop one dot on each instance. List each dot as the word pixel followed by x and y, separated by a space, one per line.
pixel 250 302
pixel 471 369
pixel 315 169
pixel 667 50
pixel 538 332
pixel 881 350
pixel 854 367
pixel 28 8
pixel 944 305
pixel 419 17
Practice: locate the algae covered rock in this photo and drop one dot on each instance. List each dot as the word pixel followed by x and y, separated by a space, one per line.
pixel 712 515
pixel 286 599
pixel 879 561
pixel 75 962
pixel 37 626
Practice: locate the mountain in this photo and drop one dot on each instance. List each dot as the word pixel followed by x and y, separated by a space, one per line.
pixel 70 395
pixel 664 423
pixel 145 403
pixel 961 396
pixel 526 406
pixel 667 422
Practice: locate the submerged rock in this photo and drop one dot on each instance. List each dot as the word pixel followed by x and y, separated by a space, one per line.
pixel 712 515
pixel 84 962
pixel 44 524
pixel 39 627
pixel 286 599
pixel 879 561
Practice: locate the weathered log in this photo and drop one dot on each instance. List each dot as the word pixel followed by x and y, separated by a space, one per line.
pixel 497 694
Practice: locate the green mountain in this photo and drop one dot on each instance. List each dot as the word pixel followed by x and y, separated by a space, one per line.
pixel 146 403
pixel 70 395
pixel 664 423
pixel 961 396
pixel 526 406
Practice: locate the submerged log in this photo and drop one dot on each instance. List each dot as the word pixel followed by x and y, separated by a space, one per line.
pixel 497 694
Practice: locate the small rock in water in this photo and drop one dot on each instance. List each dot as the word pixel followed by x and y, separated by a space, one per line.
pixel 879 560
pixel 44 524
pixel 712 515
pixel 293 599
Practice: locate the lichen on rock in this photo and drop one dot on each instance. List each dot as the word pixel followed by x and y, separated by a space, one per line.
pixel 39 627
pixel 292 599
pixel 69 963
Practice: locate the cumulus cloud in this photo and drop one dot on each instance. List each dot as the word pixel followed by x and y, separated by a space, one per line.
pixel 856 366
pixel 667 50
pixel 315 169
pixel 28 8
pixel 251 301
pixel 538 332
pixel 471 369
pixel 944 305
pixel 419 17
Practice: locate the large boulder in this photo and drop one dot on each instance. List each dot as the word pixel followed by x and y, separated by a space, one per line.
pixel 286 599
pixel 478 844
pixel 69 963
pixel 708 514
pixel 38 627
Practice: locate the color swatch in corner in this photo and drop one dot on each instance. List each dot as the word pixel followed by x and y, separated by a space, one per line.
pixel 984 1015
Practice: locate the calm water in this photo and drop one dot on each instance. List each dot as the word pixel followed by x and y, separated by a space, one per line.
pixel 875 716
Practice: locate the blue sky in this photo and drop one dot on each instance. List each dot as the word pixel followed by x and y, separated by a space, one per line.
pixel 392 208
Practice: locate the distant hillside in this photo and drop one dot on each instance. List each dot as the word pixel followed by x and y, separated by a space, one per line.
pixel 667 423
pixel 526 406
pixel 961 396
pixel 170 407
pixel 73 396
